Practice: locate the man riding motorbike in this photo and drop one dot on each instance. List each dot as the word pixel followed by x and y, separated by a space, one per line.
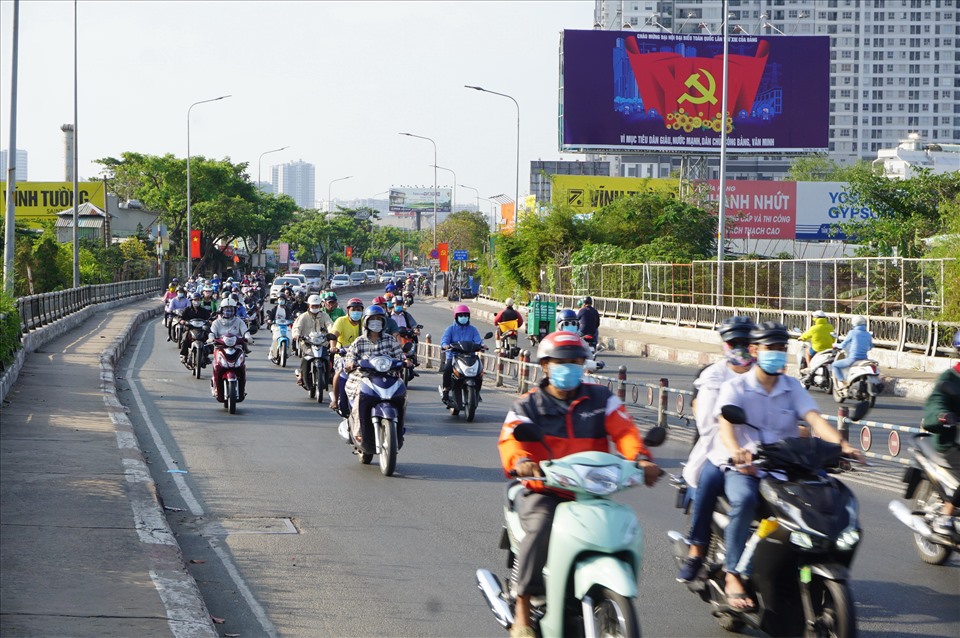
pixel 820 336
pixel 390 287
pixel 208 301
pixel 391 327
pixel 346 329
pixel 574 417
pixel 332 306
pixel 195 311
pixel 230 324
pixel 773 403
pixel 509 317
pixel 945 400
pixel 314 320
pixel 568 322
pixel 281 311
pixel 405 320
pixel 180 302
pixel 857 344
pixel 589 320
pixel 459 330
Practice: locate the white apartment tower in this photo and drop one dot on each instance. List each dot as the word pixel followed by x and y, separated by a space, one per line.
pixel 894 64
pixel 298 180
pixel 21 165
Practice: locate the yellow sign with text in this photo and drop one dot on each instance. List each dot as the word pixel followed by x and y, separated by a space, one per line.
pixel 36 202
pixel 587 193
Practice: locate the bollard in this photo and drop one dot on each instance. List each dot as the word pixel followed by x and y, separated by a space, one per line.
pixel 842 425
pixel 429 362
pixel 522 358
pixel 499 383
pixel 622 383
pixel 662 403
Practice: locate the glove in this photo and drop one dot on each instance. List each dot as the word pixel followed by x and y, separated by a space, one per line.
pixel 527 469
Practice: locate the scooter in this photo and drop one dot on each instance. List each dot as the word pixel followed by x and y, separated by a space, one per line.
pixel 281 336
pixel 467 377
pixel 229 371
pixel 930 483
pixel 801 548
pixel 507 347
pixel 196 360
pixel 820 374
pixel 863 379
pixel 316 352
pixel 383 390
pixel 596 546
pixel 405 336
pixel 407 298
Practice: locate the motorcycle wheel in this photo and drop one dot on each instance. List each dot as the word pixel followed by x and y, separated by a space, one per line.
pixel 835 615
pixel 195 362
pixel 388 447
pixel 614 614
pixel 456 400
pixel 319 382
pixel 232 398
pixel 365 458
pixel 282 356
pixel 470 402
pixel 928 500
pixel 312 385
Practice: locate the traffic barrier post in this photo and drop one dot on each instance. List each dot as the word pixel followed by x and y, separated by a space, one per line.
pixel 622 383
pixel 429 362
pixel 662 403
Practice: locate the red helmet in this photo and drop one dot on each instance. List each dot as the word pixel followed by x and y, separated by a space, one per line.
pixel 461 310
pixel 354 302
pixel 563 345
pixel 379 301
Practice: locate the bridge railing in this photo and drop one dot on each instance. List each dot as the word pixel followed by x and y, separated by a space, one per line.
pixel 39 310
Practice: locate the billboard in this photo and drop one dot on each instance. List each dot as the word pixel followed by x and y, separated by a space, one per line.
pixel 587 193
pixel 35 202
pixel 759 209
pixel 411 200
pixel 627 91
pixel 823 205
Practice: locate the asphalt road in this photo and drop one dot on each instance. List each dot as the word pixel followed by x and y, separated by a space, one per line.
pixel 376 556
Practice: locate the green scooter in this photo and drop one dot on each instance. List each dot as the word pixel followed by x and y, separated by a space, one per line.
pixel 595 547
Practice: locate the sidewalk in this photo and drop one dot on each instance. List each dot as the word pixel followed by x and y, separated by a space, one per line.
pixel 86 550
pixel 649 341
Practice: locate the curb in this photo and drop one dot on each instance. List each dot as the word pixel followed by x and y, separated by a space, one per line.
pixel 187 613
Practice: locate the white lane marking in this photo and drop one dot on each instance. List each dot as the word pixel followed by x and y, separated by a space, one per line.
pixel 180 601
pixel 190 500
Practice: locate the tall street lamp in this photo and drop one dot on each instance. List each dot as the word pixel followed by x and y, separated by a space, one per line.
pixel 329 186
pixel 189 251
pixel 477 191
pixel 330 216
pixel 478 88
pixel 260 182
pixel 434 185
pixel 453 204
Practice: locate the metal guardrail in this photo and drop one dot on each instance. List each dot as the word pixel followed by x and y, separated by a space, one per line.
pixel 660 400
pixel 39 310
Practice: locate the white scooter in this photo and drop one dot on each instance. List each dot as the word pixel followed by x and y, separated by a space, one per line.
pixel 819 375
pixel 863 380
pixel 595 547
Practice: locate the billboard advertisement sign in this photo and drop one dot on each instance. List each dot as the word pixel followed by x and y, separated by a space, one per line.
pixel 35 202
pixel 412 200
pixel 821 206
pixel 587 193
pixel 629 91
pixel 759 209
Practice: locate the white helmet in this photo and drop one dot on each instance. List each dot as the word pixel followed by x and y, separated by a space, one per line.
pixel 509 302
pixel 314 300
pixel 858 320
pixel 228 308
pixel 819 314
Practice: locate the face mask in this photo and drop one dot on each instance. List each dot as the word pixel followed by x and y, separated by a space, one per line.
pixel 398 309
pixel 228 313
pixel 463 320
pixel 282 302
pixel 180 295
pixel 569 328
pixel 375 325
pixel 739 355
pixel 772 361
pixel 195 303
pixel 315 310
pixel 355 315
pixel 565 376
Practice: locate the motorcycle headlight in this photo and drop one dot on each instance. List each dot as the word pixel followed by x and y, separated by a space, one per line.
pixel 381 364
pixel 848 539
pixel 801 539
pixel 471 371
pixel 600 480
pixel 230 341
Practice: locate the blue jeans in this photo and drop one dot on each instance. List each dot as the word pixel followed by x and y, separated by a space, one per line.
pixel 742 492
pixel 840 367
pixel 709 488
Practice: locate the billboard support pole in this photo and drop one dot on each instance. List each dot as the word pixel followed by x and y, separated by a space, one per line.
pixel 76 165
pixel 9 230
pixel 722 208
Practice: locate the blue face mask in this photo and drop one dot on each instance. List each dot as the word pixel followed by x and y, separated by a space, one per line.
pixel 570 328
pixel 565 376
pixel 772 361
pixel 355 315
pixel 463 320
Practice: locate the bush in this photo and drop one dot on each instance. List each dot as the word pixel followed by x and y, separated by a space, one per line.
pixel 9 329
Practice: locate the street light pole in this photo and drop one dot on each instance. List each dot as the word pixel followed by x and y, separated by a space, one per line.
pixel 477 191
pixel 187 243
pixel 453 204
pixel 516 211
pixel 434 184
pixel 260 181
pixel 330 215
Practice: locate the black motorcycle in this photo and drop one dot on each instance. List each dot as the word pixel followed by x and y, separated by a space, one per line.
pixel 804 542
pixel 467 377
pixel 316 352
pixel 196 331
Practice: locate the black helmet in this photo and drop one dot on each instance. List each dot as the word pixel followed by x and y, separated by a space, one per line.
pixel 195 296
pixel 563 345
pixel 588 300
pixel 769 333
pixel 736 327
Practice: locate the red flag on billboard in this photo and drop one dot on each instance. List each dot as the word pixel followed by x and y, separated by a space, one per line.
pixel 444 258
pixel 194 244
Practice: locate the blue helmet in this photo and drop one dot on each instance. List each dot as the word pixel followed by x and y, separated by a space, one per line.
pixel 956 339
pixel 567 320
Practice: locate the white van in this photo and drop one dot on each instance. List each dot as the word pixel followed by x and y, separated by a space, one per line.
pixel 315 274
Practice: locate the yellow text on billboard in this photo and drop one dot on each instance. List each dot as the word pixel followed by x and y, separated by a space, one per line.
pixel 36 202
pixel 587 193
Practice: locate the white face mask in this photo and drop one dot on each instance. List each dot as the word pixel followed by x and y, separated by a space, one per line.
pixel 315 310
pixel 375 325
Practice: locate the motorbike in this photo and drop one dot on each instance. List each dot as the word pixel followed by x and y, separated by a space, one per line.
pixel 930 483
pixel 507 347
pixel 254 312
pixel 863 380
pixel 802 547
pixel 196 360
pixel 467 377
pixel 229 371
pixel 281 335
pixel 316 352
pixel 595 548
pixel 405 336
pixel 819 374
pixel 407 298
pixel 175 327
pixel 386 394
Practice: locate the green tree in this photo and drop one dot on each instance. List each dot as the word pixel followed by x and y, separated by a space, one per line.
pixel 53 264
pixel 819 167
pixel 465 230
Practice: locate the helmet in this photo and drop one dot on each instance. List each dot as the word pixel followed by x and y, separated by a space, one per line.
pixel 567 316
pixel 736 327
pixel 314 300
pixel 181 289
pixel 389 296
pixel 509 302
pixel 858 320
pixel 562 345
pixel 461 310
pixel 300 296
pixel 228 308
pixel 354 303
pixel 374 312
pixel 379 301
pixel 819 314
pixel 208 288
pixel 769 333
pixel 195 296
pixel 956 339
pixel 588 300
pixel 235 297
pixel 175 280
pixel 228 303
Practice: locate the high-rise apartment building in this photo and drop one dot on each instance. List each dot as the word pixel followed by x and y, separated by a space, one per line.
pixel 298 180
pixel 21 165
pixel 894 64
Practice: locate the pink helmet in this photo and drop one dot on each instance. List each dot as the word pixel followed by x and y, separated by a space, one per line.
pixel 461 310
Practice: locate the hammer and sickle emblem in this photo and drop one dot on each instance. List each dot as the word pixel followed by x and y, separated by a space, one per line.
pixel 706 94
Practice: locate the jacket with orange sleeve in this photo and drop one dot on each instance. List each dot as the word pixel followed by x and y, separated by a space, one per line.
pixel 587 422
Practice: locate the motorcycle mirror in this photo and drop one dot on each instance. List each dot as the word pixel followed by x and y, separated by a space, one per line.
pixel 734 414
pixel 407 347
pixel 527 433
pixel 601 347
pixel 860 410
pixel 488 335
pixel 655 436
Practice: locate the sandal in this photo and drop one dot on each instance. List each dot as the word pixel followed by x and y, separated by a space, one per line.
pixel 740 596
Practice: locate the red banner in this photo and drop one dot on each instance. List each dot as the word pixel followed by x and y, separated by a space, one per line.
pixel 349 251
pixel 194 244
pixel 444 257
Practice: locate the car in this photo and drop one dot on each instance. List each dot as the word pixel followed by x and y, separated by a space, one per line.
pixel 424 270
pixel 385 277
pixel 286 280
pixel 400 275
pixel 358 278
pixel 371 276
pixel 304 286
pixel 315 276
pixel 339 281
pixel 409 271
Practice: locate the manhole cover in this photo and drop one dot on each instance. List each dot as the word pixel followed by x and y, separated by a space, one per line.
pixel 235 526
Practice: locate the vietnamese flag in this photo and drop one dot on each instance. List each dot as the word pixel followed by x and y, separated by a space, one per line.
pixel 194 244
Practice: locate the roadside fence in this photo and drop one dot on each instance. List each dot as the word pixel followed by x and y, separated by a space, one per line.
pixel 40 310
